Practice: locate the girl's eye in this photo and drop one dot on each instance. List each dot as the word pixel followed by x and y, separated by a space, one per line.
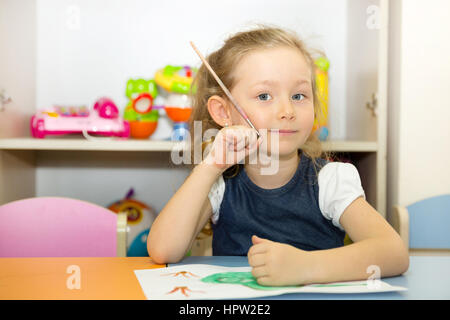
pixel 264 97
pixel 298 96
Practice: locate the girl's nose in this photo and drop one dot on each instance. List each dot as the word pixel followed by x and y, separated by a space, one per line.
pixel 286 111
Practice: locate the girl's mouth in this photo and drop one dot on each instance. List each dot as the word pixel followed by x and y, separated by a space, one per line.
pixel 284 132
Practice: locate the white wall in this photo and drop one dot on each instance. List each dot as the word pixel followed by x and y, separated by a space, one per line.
pixel 87 49
pixel 104 177
pixel 17 78
pixel 419 105
pixel 17 65
pixel 361 70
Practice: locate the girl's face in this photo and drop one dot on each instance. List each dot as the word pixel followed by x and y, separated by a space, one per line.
pixel 274 88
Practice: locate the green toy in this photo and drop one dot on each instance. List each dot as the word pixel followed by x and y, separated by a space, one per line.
pixel 134 88
pixel 141 92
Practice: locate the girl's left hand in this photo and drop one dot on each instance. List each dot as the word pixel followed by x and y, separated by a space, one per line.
pixel 278 264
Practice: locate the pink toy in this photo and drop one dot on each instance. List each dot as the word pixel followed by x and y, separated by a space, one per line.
pixel 57 227
pixel 103 120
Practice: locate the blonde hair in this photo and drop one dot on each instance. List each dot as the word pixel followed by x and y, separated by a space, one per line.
pixel 224 61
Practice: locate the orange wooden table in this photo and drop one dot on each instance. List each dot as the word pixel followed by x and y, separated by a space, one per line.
pixel 58 278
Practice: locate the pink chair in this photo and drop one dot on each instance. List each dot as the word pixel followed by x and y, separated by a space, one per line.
pixel 60 227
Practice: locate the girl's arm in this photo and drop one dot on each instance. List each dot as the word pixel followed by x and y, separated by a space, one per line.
pixel 187 212
pixel 376 247
pixel 183 217
pixel 376 244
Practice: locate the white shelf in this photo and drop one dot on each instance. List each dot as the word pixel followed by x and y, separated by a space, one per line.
pixel 79 144
pixel 350 146
pixel 101 144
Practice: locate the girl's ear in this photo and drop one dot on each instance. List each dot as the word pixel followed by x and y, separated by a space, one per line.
pixel 219 110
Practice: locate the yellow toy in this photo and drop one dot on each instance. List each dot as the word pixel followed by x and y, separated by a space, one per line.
pixel 177 79
pixel 321 119
pixel 176 82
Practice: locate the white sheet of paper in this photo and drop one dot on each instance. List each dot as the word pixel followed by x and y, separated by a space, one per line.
pixel 185 282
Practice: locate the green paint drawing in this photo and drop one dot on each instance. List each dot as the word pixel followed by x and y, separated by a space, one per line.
pixel 247 279
pixel 243 278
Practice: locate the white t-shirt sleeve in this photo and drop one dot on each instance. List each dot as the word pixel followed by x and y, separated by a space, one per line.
pixel 215 197
pixel 339 186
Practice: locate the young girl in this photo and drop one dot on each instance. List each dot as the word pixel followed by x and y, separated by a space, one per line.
pixel 290 224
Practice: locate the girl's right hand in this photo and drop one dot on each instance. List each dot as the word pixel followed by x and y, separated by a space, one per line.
pixel 232 145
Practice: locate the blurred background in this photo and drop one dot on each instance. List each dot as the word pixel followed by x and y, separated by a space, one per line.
pixel 389 79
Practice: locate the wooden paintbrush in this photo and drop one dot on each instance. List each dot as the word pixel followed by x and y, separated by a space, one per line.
pixel 227 92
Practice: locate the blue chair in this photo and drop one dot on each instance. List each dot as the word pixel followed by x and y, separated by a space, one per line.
pixel 424 226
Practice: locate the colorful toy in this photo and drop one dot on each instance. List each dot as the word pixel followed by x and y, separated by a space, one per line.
pixel 102 120
pixel 143 120
pixel 140 219
pixel 177 81
pixel 321 120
